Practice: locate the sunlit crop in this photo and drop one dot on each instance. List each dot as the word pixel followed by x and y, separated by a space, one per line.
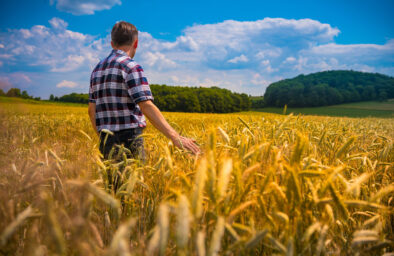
pixel 266 184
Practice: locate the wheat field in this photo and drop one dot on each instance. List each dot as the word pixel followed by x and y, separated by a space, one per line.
pixel 266 184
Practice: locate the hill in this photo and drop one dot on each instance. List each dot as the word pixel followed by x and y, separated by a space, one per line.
pixel 329 88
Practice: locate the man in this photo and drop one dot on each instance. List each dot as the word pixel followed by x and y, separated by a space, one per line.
pixel 120 98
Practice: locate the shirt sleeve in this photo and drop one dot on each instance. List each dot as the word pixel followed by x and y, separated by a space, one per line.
pixel 137 85
pixel 92 96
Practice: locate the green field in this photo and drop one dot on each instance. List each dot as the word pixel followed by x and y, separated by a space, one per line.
pixel 4 99
pixel 358 109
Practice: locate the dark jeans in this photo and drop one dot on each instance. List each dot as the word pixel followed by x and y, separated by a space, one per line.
pixel 130 138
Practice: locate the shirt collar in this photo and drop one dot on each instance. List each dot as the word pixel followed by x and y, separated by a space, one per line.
pixel 117 51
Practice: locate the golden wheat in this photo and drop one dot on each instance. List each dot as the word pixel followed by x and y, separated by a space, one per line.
pixel 266 184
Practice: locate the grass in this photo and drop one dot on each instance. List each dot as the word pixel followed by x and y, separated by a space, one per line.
pixel 357 109
pixel 266 184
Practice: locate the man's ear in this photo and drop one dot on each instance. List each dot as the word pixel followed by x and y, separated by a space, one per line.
pixel 112 44
pixel 135 45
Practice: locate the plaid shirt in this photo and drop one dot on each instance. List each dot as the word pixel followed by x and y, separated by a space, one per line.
pixel 117 84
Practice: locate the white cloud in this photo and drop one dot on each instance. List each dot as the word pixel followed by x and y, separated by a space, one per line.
pixel 290 59
pixel 39 30
pixel 57 23
pixel 25 33
pixel 71 63
pixel 219 46
pixel 241 58
pixel 269 52
pixel 362 57
pixel 5 56
pixel 158 60
pixel 55 47
pixel 258 80
pixel 67 84
pixel 81 7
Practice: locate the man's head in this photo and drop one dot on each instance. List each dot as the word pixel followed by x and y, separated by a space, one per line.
pixel 124 36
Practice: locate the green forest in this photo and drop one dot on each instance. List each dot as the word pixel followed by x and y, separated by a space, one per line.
pixel 16 92
pixel 184 99
pixel 329 88
pixel 203 100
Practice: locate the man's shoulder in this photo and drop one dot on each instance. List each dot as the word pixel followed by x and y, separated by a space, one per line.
pixel 123 62
pixel 128 64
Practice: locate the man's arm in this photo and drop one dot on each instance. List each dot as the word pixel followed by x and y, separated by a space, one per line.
pixel 157 119
pixel 92 115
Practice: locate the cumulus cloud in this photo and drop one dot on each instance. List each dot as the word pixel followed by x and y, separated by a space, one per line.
pixel 241 56
pixel 290 59
pixel 67 84
pixel 158 60
pixel 362 57
pixel 82 7
pixel 219 46
pixel 57 23
pixel 54 47
pixel 71 63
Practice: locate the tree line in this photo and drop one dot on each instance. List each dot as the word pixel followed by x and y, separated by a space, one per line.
pixel 72 97
pixel 170 98
pixel 184 99
pixel 329 88
pixel 199 99
pixel 16 92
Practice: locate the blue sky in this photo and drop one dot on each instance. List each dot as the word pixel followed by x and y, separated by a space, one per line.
pixel 50 47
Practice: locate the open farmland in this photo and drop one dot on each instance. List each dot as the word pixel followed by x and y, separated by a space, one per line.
pixel 266 184
pixel 357 109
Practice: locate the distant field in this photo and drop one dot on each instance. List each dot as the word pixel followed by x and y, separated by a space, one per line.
pixel 46 102
pixel 358 109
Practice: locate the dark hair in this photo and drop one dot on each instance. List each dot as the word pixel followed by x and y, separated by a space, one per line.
pixel 123 33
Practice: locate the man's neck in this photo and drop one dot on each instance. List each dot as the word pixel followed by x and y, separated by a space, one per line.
pixel 129 50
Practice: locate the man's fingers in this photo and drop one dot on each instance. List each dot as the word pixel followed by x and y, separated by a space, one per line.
pixel 192 147
pixel 189 144
pixel 196 149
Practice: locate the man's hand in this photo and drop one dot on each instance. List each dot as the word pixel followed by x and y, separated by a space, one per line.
pixel 157 119
pixel 186 143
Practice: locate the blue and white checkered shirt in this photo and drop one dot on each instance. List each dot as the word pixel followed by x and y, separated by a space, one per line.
pixel 117 84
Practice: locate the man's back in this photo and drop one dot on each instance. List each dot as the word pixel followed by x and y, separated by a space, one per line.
pixel 119 97
pixel 117 84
